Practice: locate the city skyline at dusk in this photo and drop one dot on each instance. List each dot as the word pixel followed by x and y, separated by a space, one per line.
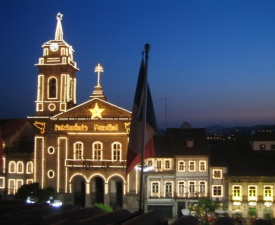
pixel 210 62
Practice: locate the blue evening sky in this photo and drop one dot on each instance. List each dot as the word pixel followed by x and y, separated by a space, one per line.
pixel 214 60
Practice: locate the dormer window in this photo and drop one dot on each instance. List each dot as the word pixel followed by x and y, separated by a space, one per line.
pixel 190 143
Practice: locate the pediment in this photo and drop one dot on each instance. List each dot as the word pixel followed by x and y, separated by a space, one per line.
pixel 95 109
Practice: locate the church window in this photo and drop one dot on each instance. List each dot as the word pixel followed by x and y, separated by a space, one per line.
pixel 20 167
pixel 12 167
pixel 78 150
pixel 97 151
pixel 116 151
pixel 52 88
pixel 29 167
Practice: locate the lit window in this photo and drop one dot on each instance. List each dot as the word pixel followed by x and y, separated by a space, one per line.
pixel 236 191
pixel 20 167
pixel 78 150
pixel 202 187
pixel 217 174
pixel 252 191
pixel 192 187
pixel 168 189
pixel 97 151
pixel 202 166
pixel 116 149
pixel 150 163
pixel 12 167
pixel 268 193
pixel 167 164
pixel 217 190
pixel 155 188
pixel 181 187
pixel 192 166
pixel 158 164
pixel 181 166
pixel 19 183
pixel 11 186
pixel 29 167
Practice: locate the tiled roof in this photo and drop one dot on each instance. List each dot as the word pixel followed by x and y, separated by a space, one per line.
pixel 174 142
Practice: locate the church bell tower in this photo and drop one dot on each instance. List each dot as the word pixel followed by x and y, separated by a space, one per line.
pixel 56 87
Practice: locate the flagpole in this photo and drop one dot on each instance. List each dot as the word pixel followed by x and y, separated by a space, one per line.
pixel 144 114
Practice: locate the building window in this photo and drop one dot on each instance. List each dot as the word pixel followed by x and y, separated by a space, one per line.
pixel 50 174
pixel 202 187
pixel 150 163
pixel 190 143
pixel 252 193
pixel 29 167
pixel 51 150
pixel 236 191
pixel 155 188
pixel 217 191
pixel 12 167
pixel 158 164
pixel 97 151
pixel 11 186
pixel 168 189
pixel 52 87
pixel 78 150
pixel 262 146
pixel 192 166
pixel 268 193
pixel 181 166
pixel 116 149
pixel 167 164
pixel 2 182
pixel 217 174
pixel 272 147
pixel 29 181
pixel 202 166
pixel 192 187
pixel 20 167
pixel 181 187
pixel 19 183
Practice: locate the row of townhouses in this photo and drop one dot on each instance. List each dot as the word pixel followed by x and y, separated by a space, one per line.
pixel 81 151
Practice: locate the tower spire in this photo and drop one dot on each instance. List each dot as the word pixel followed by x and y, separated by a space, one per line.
pixel 59 30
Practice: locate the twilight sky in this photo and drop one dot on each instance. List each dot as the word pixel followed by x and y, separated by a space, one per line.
pixel 213 60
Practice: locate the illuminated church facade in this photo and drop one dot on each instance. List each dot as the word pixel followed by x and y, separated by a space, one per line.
pixel 80 150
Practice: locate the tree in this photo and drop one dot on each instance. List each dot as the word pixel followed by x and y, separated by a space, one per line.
pixel 34 190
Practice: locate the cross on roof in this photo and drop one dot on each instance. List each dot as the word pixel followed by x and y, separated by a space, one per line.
pixel 98 70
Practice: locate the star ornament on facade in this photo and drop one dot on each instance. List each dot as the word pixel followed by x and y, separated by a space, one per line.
pixel 96 112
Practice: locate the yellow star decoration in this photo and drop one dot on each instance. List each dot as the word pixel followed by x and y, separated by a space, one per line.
pixel 96 112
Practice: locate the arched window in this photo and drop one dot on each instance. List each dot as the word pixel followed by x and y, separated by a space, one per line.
pixel 97 151
pixel 52 88
pixel 29 167
pixel 78 150
pixel 20 167
pixel 116 151
pixel 12 167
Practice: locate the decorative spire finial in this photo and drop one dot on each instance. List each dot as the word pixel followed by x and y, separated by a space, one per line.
pixel 59 30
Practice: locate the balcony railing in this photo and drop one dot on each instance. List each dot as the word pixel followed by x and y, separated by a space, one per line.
pixel 87 163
